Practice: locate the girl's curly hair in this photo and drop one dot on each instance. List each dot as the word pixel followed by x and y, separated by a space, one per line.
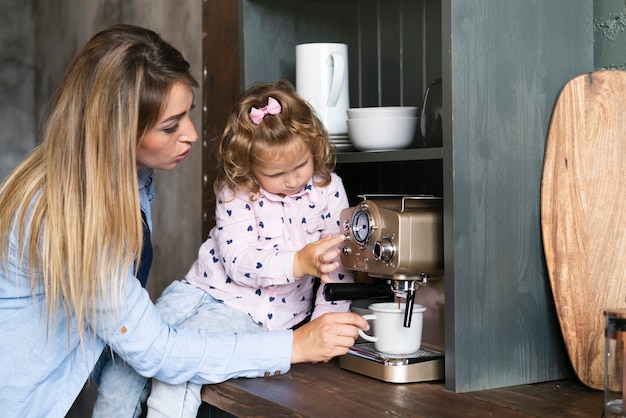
pixel 243 141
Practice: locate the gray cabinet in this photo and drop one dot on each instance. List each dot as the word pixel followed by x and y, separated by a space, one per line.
pixel 503 63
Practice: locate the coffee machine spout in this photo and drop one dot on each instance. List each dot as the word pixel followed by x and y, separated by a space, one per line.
pixel 406 287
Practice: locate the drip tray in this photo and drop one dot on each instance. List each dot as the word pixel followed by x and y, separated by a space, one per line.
pixel 425 365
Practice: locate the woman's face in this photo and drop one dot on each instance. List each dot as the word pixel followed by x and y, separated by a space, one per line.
pixel 169 141
pixel 284 171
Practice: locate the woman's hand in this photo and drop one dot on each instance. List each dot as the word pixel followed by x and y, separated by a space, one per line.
pixel 318 258
pixel 328 336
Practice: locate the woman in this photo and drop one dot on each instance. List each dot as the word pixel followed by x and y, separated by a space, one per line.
pixel 278 204
pixel 71 230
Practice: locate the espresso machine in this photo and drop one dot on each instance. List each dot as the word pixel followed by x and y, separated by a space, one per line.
pixel 397 240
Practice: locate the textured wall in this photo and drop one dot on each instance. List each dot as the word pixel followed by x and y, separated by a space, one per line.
pixel 610 34
pixel 17 74
pixel 38 38
pixel 61 28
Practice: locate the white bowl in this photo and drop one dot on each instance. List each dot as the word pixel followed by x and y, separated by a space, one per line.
pixel 382 112
pixel 378 134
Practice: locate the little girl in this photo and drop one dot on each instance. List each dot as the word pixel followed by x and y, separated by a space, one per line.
pixel 275 195
pixel 277 230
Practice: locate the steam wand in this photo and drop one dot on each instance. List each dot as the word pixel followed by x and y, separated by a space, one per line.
pixel 408 310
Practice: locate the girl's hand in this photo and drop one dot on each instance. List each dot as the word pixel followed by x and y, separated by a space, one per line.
pixel 328 336
pixel 318 258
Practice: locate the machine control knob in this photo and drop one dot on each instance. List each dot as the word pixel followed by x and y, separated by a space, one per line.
pixel 384 250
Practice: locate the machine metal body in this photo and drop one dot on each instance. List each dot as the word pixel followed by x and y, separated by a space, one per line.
pixel 398 239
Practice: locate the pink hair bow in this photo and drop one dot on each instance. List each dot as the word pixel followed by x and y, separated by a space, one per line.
pixel 272 108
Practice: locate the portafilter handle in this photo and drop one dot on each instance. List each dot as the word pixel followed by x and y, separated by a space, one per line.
pixel 349 291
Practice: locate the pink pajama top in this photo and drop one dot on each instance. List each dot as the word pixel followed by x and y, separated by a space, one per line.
pixel 247 260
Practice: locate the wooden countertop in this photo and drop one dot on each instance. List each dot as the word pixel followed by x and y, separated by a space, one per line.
pixel 326 390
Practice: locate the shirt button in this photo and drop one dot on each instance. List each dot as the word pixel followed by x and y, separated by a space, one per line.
pixel 266 374
pixel 277 372
pixel 123 330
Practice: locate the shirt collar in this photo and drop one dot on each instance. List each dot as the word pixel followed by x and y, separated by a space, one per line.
pixel 309 191
pixel 145 178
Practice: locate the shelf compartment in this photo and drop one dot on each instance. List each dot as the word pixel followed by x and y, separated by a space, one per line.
pixel 418 154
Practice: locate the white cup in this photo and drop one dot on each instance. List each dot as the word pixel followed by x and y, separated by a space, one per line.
pixel 322 80
pixel 390 334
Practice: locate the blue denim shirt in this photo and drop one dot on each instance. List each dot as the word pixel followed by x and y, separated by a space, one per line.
pixel 44 366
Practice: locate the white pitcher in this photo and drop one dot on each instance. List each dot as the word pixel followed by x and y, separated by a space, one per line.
pixel 322 80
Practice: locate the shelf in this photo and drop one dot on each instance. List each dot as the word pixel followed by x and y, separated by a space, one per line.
pixel 494 141
pixel 395 155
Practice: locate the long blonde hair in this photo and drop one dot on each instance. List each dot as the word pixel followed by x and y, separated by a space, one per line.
pixel 243 140
pixel 75 197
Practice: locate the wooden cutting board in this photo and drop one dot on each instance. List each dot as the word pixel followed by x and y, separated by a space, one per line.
pixel 583 213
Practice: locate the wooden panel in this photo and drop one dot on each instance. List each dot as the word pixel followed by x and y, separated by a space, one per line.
pixel 272 29
pixel 431 40
pixel 220 62
pixel 583 214
pixel 508 61
pixel 391 48
pixel 400 177
pixel 324 390
pixel 368 56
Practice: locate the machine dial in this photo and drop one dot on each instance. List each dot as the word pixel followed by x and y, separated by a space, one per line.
pixel 384 250
pixel 362 226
